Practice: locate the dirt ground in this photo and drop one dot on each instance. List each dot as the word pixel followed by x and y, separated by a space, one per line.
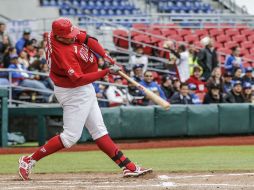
pixel 114 181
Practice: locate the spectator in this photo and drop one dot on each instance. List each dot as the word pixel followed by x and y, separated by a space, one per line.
pixel 228 82
pixel 235 95
pixel 182 97
pixel 135 96
pixel 193 58
pixel 216 78
pixel 100 94
pixel 22 78
pixel 167 87
pixel 5 42
pixel 41 55
pixel 176 84
pixel 30 50
pixel 22 41
pixel 182 62
pixel 116 95
pixel 151 85
pixel 192 92
pixel 238 75
pixel 207 57
pixel 139 58
pixel 214 95
pixel 247 92
pixel 248 77
pixel 196 79
pixel 138 72
pixel 44 40
pixel 8 53
pixel 234 60
pixel 23 59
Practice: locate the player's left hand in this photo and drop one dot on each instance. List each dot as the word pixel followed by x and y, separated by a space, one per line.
pixel 114 69
pixel 109 59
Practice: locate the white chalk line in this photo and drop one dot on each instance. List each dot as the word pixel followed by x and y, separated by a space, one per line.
pixel 166 177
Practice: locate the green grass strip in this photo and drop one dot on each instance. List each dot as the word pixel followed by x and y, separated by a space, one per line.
pixel 219 158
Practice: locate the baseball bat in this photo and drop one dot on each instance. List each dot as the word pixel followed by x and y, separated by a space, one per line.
pixel 150 95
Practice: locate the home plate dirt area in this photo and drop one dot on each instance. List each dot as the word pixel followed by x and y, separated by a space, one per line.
pixel 114 181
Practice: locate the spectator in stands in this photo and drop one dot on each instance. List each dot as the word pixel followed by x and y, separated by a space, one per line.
pixel 247 92
pixel 138 72
pixel 22 41
pixel 5 41
pixel 207 57
pixel 22 78
pixel 196 79
pixel 234 60
pixel 176 84
pixel 41 55
pixel 44 40
pixel 167 86
pixel 44 68
pixel 30 50
pixel 116 95
pixel 182 62
pixel 214 95
pixel 248 77
pixel 139 58
pixel 193 58
pixel 182 97
pixel 235 95
pixel 6 58
pixel 23 59
pixel 228 82
pixel 151 85
pixel 192 93
pixel 100 94
pixel 216 78
pixel 135 96
pixel 238 75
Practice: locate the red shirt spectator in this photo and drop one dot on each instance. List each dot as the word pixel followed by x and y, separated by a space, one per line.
pixel 196 79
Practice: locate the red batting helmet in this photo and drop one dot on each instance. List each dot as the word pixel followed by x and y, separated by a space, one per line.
pixel 64 28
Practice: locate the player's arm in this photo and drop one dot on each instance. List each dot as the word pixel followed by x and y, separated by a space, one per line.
pixel 72 69
pixel 94 45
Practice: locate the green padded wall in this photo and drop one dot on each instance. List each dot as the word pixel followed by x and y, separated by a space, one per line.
pixel 112 121
pixel 137 122
pixel 172 122
pixel 203 120
pixel 234 118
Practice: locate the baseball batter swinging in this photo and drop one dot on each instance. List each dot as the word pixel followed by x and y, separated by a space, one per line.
pixel 71 55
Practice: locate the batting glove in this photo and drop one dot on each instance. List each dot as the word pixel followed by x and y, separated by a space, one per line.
pixel 108 59
pixel 114 69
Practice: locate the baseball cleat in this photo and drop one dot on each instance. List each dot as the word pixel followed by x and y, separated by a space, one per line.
pixel 138 172
pixel 25 167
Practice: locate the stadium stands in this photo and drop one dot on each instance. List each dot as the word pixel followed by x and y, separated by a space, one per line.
pixel 94 8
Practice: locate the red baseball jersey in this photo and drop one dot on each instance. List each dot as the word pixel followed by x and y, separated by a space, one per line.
pixel 71 65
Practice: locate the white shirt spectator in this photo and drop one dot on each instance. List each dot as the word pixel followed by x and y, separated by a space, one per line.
pixel 143 59
pixel 115 95
pixel 183 66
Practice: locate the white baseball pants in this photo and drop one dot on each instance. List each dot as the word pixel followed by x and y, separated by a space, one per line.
pixel 80 107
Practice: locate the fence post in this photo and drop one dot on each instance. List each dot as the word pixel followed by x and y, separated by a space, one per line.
pixel 4 117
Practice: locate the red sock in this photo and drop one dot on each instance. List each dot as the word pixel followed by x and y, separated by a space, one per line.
pixel 53 145
pixel 106 144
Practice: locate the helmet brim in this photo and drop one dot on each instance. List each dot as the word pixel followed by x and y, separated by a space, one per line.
pixel 72 34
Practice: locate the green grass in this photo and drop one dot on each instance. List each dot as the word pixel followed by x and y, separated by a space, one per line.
pixel 219 158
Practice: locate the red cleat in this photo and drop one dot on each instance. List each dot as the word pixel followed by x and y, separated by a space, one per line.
pixel 25 167
pixel 138 172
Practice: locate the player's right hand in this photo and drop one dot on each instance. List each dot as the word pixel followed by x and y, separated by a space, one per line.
pixel 114 69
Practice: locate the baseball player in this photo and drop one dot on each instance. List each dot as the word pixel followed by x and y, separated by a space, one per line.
pixel 71 56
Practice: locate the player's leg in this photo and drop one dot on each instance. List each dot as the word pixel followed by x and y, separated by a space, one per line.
pixel 98 131
pixel 76 106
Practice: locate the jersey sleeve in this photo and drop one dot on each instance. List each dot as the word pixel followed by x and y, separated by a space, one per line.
pixel 68 62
